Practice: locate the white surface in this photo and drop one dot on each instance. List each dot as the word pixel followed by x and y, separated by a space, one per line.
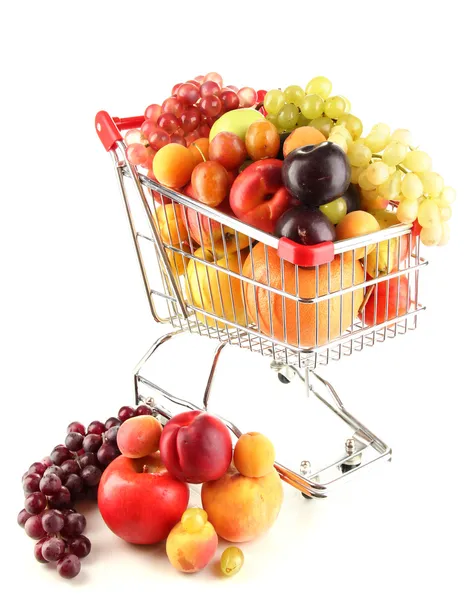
pixel 74 317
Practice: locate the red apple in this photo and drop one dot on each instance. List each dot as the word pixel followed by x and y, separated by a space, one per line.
pixel 139 500
pixel 196 447
pixel 388 294
pixel 258 196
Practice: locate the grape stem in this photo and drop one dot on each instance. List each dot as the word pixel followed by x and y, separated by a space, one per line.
pixel 399 167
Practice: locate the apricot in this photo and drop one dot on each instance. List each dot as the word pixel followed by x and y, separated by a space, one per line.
pixel 173 165
pixel 242 508
pixel 254 455
pixel 200 150
pixel 139 436
pixel 355 224
pixel 171 222
pixel 192 543
pixel 302 136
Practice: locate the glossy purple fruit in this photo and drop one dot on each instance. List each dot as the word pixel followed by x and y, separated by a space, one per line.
pixel 111 435
pixel 23 517
pixel 143 409
pixel 69 566
pixel 34 528
pixel 38 550
pixel 60 454
pixel 96 427
pixel 305 225
pixel 61 500
pixel 111 422
pixel 74 524
pixel 80 546
pixel 92 442
pixel 107 453
pixel 352 198
pixel 35 503
pixel 53 549
pixel 31 483
pixel 317 174
pixel 76 427
pixel 50 484
pixel 126 412
pixel 88 458
pixel 37 467
pixel 52 521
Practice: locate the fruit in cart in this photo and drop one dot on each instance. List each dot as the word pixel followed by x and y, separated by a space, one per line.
pixel 199 149
pixel 352 198
pixel 139 436
pixel 388 254
pixel 196 447
pixel 262 140
pixel 139 500
pixel 316 174
pixel 236 121
pixel 228 149
pixel 171 223
pixel 192 543
pixel 305 225
pixel 173 165
pixel 254 455
pixel 335 211
pixel 178 262
pixel 355 224
pixel 231 561
pixel 388 299
pixel 210 182
pixel 242 508
pixel 302 136
pixel 301 323
pixel 258 196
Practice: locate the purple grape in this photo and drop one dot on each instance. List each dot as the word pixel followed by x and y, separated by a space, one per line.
pixel 143 409
pixel 53 549
pixel 37 467
pixel 87 459
pixel 107 453
pixel 126 412
pixel 35 503
pixel 34 528
pixel 111 422
pixel 52 521
pixel 60 454
pixel 23 517
pixel 92 442
pixel 91 475
pixel 67 511
pixel 50 484
pixel 74 524
pixel 111 435
pixel 47 461
pixel 76 427
pixel 80 546
pixel 54 470
pixel 69 566
pixel 24 475
pixel 74 483
pixel 61 500
pixel 31 483
pixel 96 427
pixel 70 467
pixel 74 441
pixel 38 548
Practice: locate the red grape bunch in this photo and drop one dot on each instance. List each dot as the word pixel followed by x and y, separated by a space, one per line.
pixel 69 474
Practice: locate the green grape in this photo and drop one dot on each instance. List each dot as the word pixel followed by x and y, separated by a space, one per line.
pixel 355 172
pixel 272 119
pixel 417 161
pixel 359 155
pixel 407 211
pixel 339 140
pixel 445 213
pixel 403 136
pixel 312 106
pixel 194 519
pixel 335 210
pixel 334 107
pixel 302 121
pixel 231 561
pixel 274 101
pixel 428 213
pixel 378 137
pixel 431 236
pixel 347 104
pixel 377 173
pixel 324 124
pixel 341 130
pixel 447 197
pixel 445 234
pixel 364 183
pixel 390 189
pixel 394 153
pixel 288 116
pixel 432 183
pixel 320 86
pixel 352 124
pixel 412 187
pixel 294 94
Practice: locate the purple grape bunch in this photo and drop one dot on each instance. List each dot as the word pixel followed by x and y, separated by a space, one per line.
pixel 52 486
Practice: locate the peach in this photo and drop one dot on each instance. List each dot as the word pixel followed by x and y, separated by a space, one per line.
pixel 302 136
pixel 254 455
pixel 171 222
pixel 196 447
pixel 139 436
pixel 212 235
pixel 192 543
pixel 355 224
pixel 242 508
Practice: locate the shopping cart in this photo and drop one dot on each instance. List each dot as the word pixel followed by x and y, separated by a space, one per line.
pixel 207 273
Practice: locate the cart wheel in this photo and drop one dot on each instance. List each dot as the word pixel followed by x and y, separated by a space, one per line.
pixel 306 497
pixel 283 379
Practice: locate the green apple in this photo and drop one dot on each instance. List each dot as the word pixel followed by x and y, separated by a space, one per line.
pixel 236 121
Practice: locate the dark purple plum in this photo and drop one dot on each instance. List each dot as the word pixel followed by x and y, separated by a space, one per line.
pixel 316 174
pixel 352 198
pixel 305 225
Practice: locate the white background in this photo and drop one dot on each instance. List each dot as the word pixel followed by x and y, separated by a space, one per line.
pixel 74 318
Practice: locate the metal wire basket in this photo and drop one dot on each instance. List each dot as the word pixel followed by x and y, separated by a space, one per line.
pixel 208 273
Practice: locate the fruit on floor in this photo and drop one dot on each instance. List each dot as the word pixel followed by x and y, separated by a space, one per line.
pixel 171 223
pixel 242 508
pixel 139 436
pixel 231 561
pixel 214 291
pixel 302 136
pixel 254 455
pixel 236 121
pixel 192 543
pixel 388 300
pixel 355 224
pixel 173 165
pixel 210 183
pixel 262 140
pixel 387 255
pixel 316 175
pixel 196 447
pixel 305 225
pixel 139 500
pixel 258 196
pixel 315 323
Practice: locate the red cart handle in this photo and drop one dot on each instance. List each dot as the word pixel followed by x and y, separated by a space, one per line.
pixel 305 256
pixel 108 128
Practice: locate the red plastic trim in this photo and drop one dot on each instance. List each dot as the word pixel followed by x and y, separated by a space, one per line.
pixel 305 256
pixel 416 228
pixel 108 128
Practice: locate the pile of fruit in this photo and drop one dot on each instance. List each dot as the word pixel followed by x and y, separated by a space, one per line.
pixel 142 489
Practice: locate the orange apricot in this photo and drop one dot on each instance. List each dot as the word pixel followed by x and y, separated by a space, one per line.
pixel 302 136
pixel 139 436
pixel 200 150
pixel 355 224
pixel 254 455
pixel 173 165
